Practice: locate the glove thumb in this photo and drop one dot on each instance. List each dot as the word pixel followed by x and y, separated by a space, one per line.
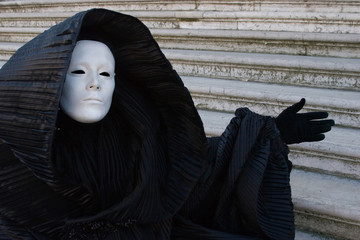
pixel 296 107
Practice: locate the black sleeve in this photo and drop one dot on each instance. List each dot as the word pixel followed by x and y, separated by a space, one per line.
pixel 244 192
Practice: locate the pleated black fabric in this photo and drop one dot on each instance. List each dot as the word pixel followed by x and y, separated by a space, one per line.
pixel 147 170
pixel 246 186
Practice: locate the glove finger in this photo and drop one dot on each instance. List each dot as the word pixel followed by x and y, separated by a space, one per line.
pixel 329 122
pixel 314 115
pixel 320 129
pixel 297 106
pixel 314 138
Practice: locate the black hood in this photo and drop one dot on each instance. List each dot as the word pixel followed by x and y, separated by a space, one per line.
pixel 147 89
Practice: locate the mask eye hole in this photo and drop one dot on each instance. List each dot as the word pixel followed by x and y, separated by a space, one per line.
pixel 105 74
pixel 78 72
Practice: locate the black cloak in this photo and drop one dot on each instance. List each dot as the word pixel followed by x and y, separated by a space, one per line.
pixel 146 171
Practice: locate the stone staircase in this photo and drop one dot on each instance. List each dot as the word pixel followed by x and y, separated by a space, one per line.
pixel 264 55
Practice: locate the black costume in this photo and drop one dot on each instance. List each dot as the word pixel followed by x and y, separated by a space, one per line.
pixel 146 171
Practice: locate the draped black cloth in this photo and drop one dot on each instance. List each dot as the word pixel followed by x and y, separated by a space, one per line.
pixel 147 170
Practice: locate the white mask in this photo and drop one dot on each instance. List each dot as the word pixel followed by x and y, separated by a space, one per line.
pixel 89 83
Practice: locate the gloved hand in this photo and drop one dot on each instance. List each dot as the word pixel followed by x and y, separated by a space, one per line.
pixel 302 127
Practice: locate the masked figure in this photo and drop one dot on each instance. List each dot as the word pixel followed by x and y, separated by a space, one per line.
pixel 99 139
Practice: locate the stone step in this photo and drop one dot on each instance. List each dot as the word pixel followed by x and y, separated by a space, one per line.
pixel 255 21
pixel 7 49
pixel 304 235
pixel 324 203
pixel 82 5
pixel 339 155
pixel 290 43
pixel 205 5
pixel 270 99
pixel 33 20
pixel 198 19
pixel 326 72
pixel 19 34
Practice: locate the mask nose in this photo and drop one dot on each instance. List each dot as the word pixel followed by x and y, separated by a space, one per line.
pixel 94 86
pixel 94 83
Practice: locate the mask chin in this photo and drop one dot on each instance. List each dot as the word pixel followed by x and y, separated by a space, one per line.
pixel 87 114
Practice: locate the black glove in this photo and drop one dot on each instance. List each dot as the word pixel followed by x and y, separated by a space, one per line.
pixel 299 127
